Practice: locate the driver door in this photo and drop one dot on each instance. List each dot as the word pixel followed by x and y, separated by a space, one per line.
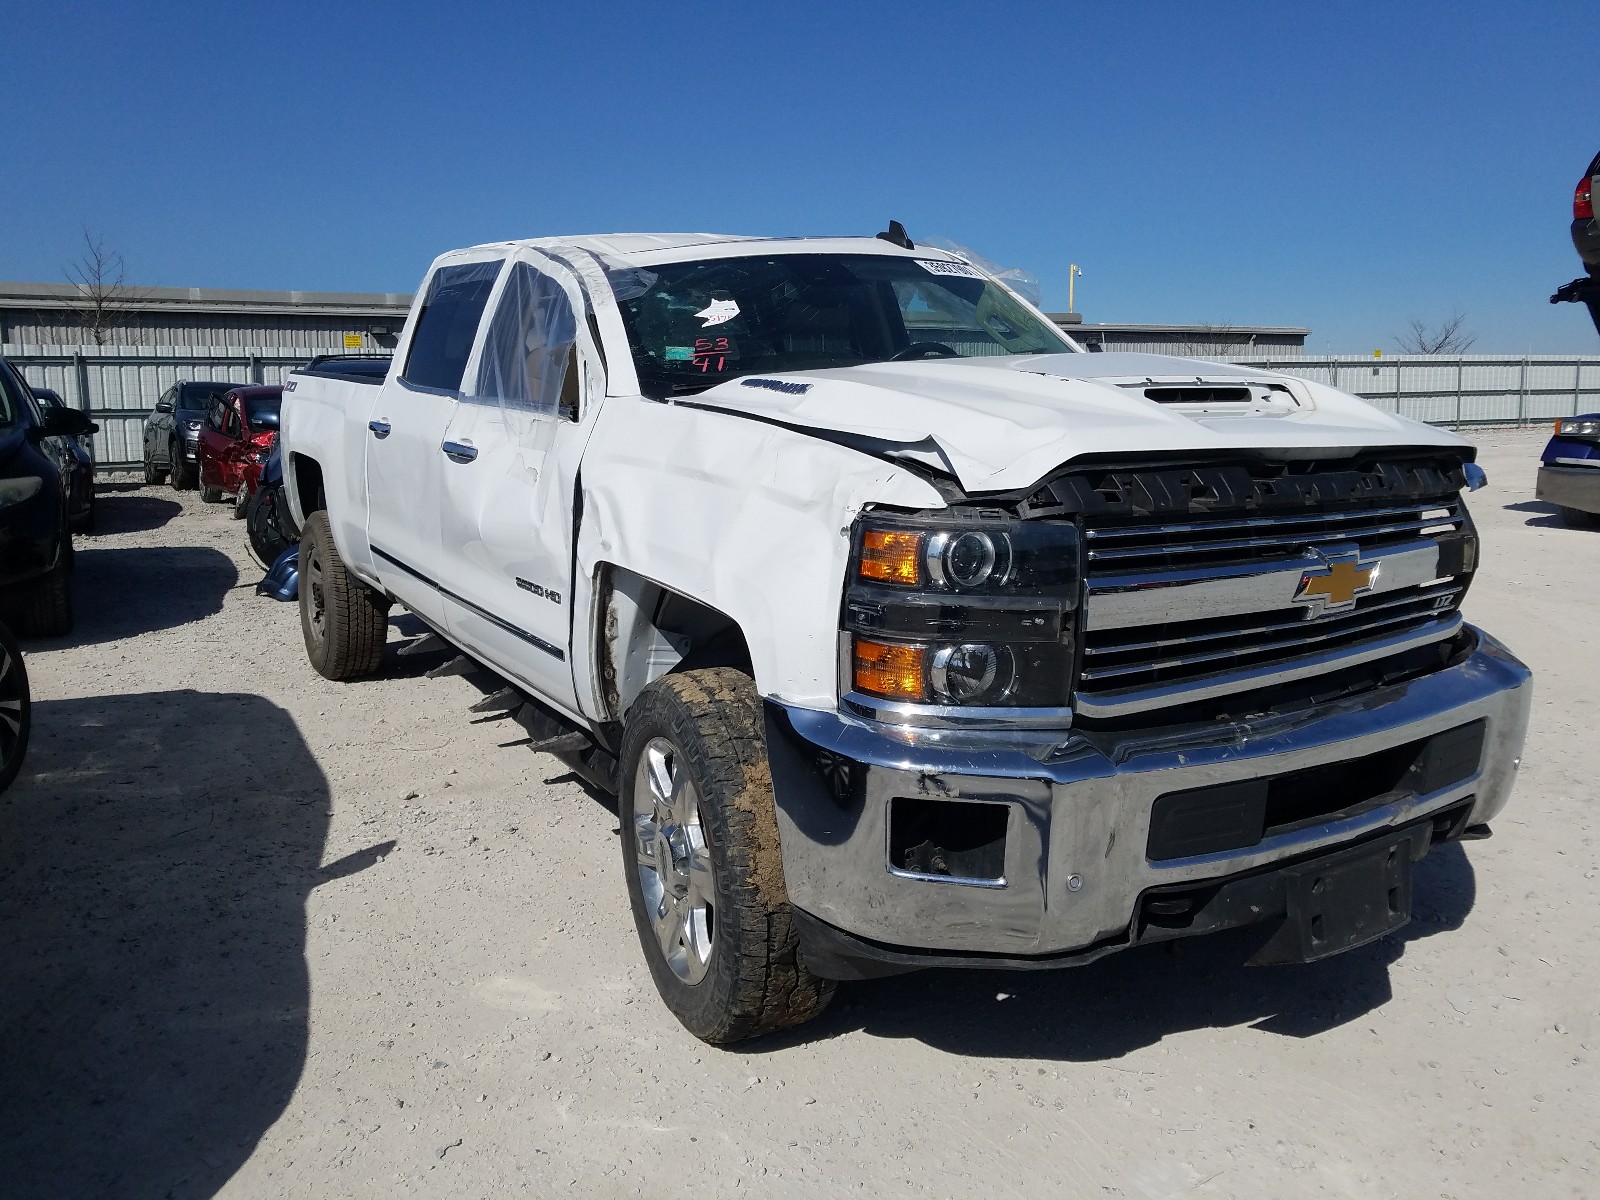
pixel 512 452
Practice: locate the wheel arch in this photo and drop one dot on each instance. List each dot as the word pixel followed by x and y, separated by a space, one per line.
pixel 645 630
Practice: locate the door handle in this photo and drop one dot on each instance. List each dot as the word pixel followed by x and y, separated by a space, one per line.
pixel 460 452
pixel 381 428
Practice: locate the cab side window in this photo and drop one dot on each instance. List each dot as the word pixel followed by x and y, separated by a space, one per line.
pixel 447 324
pixel 530 359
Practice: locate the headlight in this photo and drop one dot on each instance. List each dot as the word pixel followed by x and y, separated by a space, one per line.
pixel 191 426
pixel 1578 427
pixel 15 491
pixel 975 614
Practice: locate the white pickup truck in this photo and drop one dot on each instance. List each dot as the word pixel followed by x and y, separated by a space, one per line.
pixel 908 634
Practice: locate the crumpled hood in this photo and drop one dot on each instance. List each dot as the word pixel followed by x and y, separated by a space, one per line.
pixel 1003 423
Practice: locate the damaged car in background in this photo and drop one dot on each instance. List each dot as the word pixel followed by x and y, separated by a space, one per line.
pixel 907 634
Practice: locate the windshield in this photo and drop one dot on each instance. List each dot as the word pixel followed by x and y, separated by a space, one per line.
pixel 262 412
pixel 694 324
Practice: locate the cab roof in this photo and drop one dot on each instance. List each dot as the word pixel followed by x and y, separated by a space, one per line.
pixel 646 249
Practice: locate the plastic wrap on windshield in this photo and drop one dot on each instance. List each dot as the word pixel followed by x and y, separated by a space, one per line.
pixel 528 346
pixel 1023 283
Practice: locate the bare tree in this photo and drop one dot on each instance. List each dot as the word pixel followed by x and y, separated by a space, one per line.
pixel 100 278
pixel 1447 338
pixel 1214 341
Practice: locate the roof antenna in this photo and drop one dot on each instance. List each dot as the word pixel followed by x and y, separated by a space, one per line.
pixel 896 235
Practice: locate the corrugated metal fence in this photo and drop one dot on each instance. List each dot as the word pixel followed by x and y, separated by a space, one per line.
pixel 1485 389
pixel 118 386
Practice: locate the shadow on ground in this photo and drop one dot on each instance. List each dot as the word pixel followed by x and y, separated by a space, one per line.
pixel 121 592
pixel 122 511
pixel 152 927
pixel 1127 1001
pixel 1543 516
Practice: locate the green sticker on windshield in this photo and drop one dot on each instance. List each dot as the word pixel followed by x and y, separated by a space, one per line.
pixel 680 353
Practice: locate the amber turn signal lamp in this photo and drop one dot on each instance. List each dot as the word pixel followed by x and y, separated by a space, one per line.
pixel 891 671
pixel 891 556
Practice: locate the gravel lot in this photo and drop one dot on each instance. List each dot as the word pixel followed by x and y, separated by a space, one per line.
pixel 267 935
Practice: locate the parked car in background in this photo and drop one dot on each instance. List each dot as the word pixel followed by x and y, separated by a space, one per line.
pixel 37 460
pixel 172 431
pixel 272 530
pixel 235 438
pixel 80 501
pixel 1585 229
pixel 1569 470
pixel 1585 289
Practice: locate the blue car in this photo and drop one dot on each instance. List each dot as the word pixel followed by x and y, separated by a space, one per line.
pixel 1569 470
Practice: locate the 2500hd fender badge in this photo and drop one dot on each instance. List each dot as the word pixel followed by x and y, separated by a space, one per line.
pixel 537 590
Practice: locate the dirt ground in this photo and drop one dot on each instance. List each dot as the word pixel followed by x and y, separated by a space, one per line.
pixel 265 935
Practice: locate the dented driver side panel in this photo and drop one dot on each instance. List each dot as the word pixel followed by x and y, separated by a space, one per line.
pixel 745 517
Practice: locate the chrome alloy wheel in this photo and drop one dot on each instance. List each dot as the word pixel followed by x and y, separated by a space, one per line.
pixel 13 703
pixel 673 860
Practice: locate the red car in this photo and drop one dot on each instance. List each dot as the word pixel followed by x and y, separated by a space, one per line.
pixel 235 440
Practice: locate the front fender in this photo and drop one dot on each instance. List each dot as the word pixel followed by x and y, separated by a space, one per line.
pixel 749 518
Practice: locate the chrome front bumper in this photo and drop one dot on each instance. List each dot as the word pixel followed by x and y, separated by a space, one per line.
pixel 1080 807
pixel 1570 487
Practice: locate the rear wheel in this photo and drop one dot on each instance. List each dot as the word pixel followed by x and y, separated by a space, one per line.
pixel 344 622
pixel 152 473
pixel 701 858
pixel 16 708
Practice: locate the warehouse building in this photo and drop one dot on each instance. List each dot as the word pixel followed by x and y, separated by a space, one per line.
pixel 1189 341
pixel 264 323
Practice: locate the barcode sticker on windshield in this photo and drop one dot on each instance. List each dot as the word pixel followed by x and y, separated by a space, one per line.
pixel 936 267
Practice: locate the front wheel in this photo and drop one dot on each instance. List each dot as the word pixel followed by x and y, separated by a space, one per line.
pixel 16 708
pixel 344 622
pixel 209 494
pixel 701 859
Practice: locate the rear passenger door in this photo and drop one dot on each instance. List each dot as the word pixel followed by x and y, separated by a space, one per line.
pixel 513 448
pixel 405 457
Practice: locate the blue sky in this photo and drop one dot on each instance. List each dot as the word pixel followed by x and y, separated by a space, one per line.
pixel 1340 166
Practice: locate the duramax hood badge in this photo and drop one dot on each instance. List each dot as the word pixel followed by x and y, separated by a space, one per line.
pixel 1335 587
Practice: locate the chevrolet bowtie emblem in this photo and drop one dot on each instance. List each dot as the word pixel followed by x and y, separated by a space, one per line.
pixel 1335 587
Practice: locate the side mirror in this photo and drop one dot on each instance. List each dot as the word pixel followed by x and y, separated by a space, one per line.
pixel 68 422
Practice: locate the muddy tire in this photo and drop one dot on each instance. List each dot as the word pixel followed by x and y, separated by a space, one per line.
pixel 16 709
pixel 345 623
pixel 701 859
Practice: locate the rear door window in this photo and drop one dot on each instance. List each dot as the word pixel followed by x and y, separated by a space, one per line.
pixel 447 324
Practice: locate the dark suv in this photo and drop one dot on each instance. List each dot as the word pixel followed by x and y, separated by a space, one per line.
pixel 172 432
pixel 37 460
